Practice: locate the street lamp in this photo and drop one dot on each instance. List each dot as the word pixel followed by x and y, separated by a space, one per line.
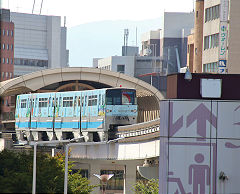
pixel 66 159
pixel 35 144
pixel 83 143
pixel 104 179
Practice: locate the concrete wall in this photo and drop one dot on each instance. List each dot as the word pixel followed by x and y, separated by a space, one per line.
pixel 173 24
pixel 111 63
pixel 39 37
pixel 234 40
pixel 54 41
pixel 63 49
pixel 209 28
pixel 198 37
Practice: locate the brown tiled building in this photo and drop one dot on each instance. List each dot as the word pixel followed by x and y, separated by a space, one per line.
pixel 6 63
pixel 195 40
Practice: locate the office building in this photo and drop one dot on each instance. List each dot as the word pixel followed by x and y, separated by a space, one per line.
pixel 220 40
pixel 6 64
pixel 40 43
pixel 122 64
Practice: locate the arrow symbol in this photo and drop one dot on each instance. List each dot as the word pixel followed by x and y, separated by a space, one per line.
pixel 201 114
pixel 174 127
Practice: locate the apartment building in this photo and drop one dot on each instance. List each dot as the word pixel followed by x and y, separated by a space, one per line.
pixel 216 37
pixel 40 43
pixel 6 63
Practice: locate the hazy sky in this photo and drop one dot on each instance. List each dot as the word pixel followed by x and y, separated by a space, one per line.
pixel 84 11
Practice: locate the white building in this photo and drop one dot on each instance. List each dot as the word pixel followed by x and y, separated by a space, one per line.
pixel 122 64
pixel 221 36
pixel 39 43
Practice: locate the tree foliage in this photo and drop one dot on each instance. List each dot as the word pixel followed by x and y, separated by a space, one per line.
pixel 16 169
pixel 149 187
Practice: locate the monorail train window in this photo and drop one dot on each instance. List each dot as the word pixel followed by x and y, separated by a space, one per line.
pixel 42 102
pixel 128 97
pixel 67 101
pixel 103 99
pixel 99 99
pixel 23 103
pixel 79 100
pixel 53 102
pixel 85 97
pixel 75 101
pixel 92 100
pixel 120 97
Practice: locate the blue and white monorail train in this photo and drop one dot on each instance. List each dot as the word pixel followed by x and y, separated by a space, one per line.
pixel 87 113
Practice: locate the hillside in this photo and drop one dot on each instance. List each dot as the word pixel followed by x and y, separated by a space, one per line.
pixel 104 39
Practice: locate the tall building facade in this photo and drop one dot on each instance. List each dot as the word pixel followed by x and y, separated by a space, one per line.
pixel 6 63
pixel 151 43
pixel 198 38
pixel 40 43
pixel 170 42
pixel 177 27
pixel 220 38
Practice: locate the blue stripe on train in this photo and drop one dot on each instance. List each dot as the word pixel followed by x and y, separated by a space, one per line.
pixel 60 125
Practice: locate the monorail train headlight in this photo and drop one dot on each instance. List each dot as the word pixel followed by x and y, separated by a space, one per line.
pixel 134 110
pixel 107 110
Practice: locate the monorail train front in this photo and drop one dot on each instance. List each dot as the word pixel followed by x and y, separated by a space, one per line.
pixel 121 109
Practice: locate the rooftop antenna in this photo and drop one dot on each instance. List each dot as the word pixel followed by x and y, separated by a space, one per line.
pixel 126 33
pixel 41 8
pixel 64 21
pixel 136 36
pixel 193 5
pixel 33 6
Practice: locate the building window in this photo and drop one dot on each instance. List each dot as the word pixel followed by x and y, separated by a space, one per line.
pixel 3 46
pixel 92 100
pixel 195 51
pixel 10 75
pixel 42 102
pixel 3 60
pixel 121 68
pixel 11 61
pixel 31 62
pixel 196 14
pixel 212 13
pixel 7 60
pixel 7 46
pixel 211 41
pixel 67 101
pixel 6 75
pixel 3 32
pixel 7 32
pixel 2 74
pixel 11 32
pixel 11 47
pixel 210 67
pixel 23 103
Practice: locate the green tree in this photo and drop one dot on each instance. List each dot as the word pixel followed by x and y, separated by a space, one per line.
pixel 16 170
pixel 149 187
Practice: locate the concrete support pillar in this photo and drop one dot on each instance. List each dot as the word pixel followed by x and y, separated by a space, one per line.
pixel 94 169
pixel 35 135
pixel 29 136
pixel 76 134
pixel 19 135
pixel 50 135
pixel 101 136
pixel 58 135
pixel 85 135
pixel 130 178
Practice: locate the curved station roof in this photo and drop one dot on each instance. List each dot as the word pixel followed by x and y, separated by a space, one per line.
pixel 38 80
